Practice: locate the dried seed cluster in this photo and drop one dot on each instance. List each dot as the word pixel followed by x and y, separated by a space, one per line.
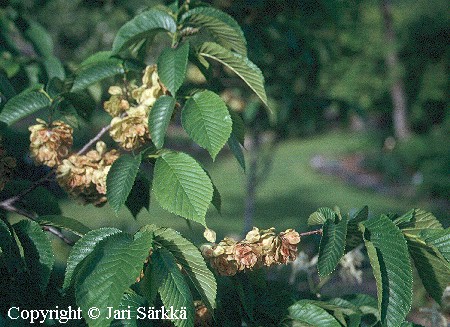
pixel 84 176
pixel 50 143
pixel 259 248
pixel 129 127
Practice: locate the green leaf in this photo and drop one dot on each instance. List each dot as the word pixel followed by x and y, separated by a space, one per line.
pixel 206 119
pixel 65 223
pixel 190 258
pixel 6 88
pixel 108 272
pixel 173 290
pixel 236 149
pixel 130 302
pixel 243 67
pixel 354 235
pixel 83 103
pixel 95 72
pixel 54 68
pixel 365 303
pixel 120 180
pixel 140 194
pixel 141 26
pixel 22 105
pixel 238 126
pixel 433 269
pixel 7 244
pixel 224 29
pixel 96 57
pixel 40 38
pixel 388 254
pixel 339 307
pixel 308 313
pixel 83 247
pixel 159 119
pixel 38 251
pixel 416 220
pixel 440 239
pixel 332 245
pixel 181 186
pixel 172 66
pixel 320 216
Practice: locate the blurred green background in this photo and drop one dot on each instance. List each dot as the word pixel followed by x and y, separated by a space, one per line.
pixel 331 81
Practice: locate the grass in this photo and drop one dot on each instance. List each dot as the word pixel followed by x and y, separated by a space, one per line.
pixel 291 192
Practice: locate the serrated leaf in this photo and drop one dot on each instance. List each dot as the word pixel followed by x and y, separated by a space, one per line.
pixel 354 235
pixel 416 220
pixel 181 186
pixel 38 251
pixel 238 126
pixel 365 303
pixel 64 223
pixel 159 119
pixel 433 269
pixel 332 246
pixel 190 258
pixel 206 119
pixel 340 308
pixel 308 313
pixel 95 72
pixel 130 302
pixel 120 180
pixel 236 149
pixel 172 67
pixel 83 247
pixel 54 68
pixel 389 257
pixel 173 290
pixel 108 272
pixel 320 216
pixel 140 194
pixel 141 26
pixel 22 105
pixel 439 239
pixel 240 65
pixel 224 29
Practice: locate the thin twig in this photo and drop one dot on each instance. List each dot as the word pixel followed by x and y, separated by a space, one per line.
pixel 95 139
pixel 23 212
pixel 313 232
pixel 7 202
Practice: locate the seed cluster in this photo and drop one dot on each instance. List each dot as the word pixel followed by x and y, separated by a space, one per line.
pixel 83 176
pixel 259 248
pixel 50 143
pixel 129 127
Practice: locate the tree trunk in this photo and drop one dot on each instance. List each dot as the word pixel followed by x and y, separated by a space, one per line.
pixel 399 115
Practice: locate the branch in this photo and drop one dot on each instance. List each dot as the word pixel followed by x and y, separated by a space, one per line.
pixel 8 206
pixel 93 140
pixel 7 203
pixel 313 232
